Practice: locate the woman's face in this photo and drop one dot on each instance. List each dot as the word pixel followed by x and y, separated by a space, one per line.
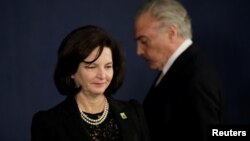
pixel 95 78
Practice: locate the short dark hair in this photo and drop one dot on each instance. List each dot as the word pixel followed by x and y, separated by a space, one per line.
pixel 77 46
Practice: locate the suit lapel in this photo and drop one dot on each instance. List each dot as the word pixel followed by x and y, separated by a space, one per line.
pixel 179 64
pixel 182 61
pixel 72 121
pixel 124 120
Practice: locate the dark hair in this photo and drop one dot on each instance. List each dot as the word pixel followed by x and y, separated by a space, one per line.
pixel 77 46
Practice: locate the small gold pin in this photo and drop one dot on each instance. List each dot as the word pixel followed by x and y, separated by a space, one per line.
pixel 123 115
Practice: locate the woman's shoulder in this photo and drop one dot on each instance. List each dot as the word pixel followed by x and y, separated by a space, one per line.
pixel 52 112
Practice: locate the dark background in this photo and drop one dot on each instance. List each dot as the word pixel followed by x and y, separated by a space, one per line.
pixel 31 31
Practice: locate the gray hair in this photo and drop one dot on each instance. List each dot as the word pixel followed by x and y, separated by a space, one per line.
pixel 170 12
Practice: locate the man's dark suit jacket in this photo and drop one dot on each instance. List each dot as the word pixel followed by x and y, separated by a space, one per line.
pixel 63 123
pixel 186 101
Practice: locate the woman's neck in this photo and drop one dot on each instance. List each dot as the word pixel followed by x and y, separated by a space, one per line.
pixel 90 104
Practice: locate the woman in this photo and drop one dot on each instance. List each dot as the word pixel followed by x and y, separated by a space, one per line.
pixel 89 70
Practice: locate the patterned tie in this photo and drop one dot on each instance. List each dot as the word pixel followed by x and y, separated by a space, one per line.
pixel 159 78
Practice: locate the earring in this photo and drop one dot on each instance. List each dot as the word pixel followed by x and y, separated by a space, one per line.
pixel 76 84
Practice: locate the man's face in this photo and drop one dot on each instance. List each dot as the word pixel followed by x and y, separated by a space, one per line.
pixel 152 41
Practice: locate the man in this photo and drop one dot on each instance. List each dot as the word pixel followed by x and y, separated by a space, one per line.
pixel 186 98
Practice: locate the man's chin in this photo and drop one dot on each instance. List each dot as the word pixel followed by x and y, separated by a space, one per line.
pixel 152 67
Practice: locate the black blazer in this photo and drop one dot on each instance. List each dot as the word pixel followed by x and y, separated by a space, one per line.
pixel 63 122
pixel 186 101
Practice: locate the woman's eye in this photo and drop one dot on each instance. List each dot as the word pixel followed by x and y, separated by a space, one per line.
pixel 110 66
pixel 90 67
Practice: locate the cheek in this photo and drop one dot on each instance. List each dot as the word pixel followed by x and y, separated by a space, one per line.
pixel 110 74
pixel 80 78
pixel 151 53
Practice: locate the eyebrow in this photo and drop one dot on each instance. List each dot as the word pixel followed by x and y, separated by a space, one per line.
pixel 96 63
pixel 109 63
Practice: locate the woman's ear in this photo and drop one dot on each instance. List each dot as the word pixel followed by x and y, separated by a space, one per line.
pixel 76 84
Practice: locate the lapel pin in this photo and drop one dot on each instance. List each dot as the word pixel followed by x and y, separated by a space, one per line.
pixel 123 115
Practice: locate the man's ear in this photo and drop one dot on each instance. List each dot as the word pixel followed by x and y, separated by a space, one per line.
pixel 172 32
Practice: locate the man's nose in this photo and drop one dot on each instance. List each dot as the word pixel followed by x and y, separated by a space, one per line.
pixel 139 49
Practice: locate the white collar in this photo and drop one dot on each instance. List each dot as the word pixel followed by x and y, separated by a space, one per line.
pixel 176 54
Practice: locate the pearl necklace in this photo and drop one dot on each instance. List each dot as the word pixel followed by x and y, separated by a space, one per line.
pixel 96 121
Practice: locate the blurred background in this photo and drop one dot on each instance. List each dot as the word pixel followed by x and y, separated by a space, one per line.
pixel 32 30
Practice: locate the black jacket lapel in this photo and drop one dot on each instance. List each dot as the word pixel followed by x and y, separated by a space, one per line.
pixel 72 121
pixel 124 119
